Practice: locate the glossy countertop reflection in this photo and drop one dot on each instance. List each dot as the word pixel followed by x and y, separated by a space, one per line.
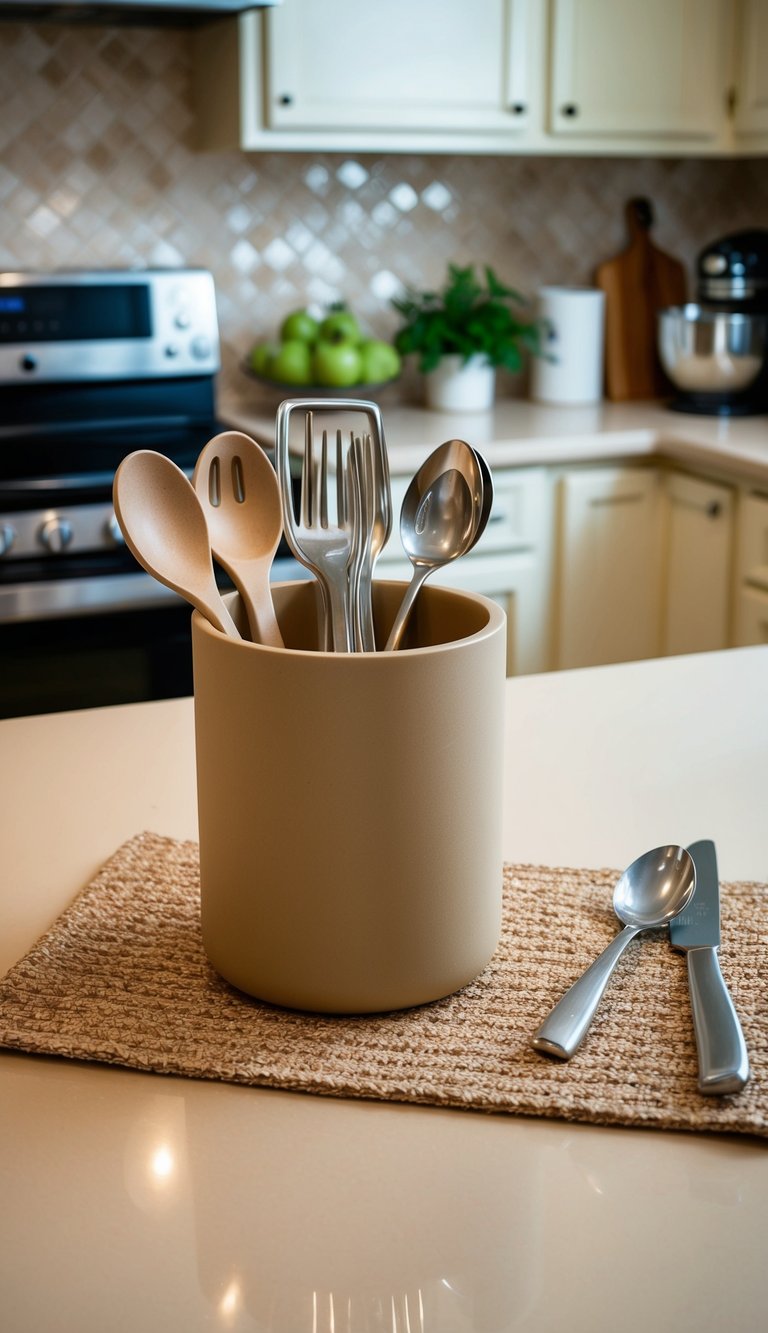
pixel 134 1201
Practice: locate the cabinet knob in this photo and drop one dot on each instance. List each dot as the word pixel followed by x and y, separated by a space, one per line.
pixel 518 108
pixel 285 99
pixel 714 509
pixel 570 109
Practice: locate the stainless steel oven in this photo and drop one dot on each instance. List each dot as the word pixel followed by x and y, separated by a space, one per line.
pixel 92 366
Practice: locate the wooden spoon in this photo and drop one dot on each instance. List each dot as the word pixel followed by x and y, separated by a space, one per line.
pixel 238 489
pixel 164 527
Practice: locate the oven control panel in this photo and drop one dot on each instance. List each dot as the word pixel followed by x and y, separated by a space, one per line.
pixel 65 530
pixel 107 325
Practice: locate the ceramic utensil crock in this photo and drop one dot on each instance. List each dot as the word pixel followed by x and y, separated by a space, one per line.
pixel 350 804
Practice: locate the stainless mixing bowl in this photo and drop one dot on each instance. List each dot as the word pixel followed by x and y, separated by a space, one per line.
pixel 711 351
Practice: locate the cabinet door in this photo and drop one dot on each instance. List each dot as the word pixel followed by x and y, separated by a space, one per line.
pixel 518 582
pixel 608 568
pixel 621 67
pixel 752 68
pixel 753 541
pixel 438 64
pixel 751 618
pixel 512 562
pixel 699 538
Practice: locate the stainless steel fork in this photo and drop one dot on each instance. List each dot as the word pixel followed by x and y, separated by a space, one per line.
pixel 321 541
pixel 339 547
pixel 373 511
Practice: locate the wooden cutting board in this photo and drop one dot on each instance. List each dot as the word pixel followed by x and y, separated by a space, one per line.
pixel 637 284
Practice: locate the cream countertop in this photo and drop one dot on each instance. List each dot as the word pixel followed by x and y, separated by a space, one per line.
pixel 133 1201
pixel 519 433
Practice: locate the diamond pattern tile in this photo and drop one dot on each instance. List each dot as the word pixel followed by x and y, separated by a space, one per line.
pixel 97 168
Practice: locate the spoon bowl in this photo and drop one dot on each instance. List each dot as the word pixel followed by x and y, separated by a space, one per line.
pixel 486 503
pixel 653 890
pixel 438 519
pixel 165 529
pixel 238 489
pixel 655 887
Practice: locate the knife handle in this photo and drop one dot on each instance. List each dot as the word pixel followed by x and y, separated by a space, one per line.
pixel 722 1053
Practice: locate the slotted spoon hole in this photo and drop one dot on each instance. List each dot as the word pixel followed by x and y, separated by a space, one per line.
pixel 238 480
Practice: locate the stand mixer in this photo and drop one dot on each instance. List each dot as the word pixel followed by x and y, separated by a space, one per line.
pixel 716 352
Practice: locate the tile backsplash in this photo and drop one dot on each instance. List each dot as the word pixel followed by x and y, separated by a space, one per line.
pixel 98 168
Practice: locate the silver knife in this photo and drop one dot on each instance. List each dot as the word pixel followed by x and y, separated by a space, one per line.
pixel 723 1060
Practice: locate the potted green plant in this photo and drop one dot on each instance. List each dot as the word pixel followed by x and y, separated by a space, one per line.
pixel 462 333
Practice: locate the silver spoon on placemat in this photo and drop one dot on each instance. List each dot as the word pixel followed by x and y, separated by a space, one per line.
pixel 653 890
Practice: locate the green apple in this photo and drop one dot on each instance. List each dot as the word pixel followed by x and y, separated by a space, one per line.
pixel 336 365
pixel 299 325
pixel 292 363
pixel 340 326
pixel 380 361
pixel 261 356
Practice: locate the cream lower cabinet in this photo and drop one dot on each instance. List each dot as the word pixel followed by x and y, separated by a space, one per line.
pixel 608 566
pixel 751 618
pixel 698 564
pixel 511 564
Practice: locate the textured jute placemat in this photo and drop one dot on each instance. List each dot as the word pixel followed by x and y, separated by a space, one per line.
pixel 122 977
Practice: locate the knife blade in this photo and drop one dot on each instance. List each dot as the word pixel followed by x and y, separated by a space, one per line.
pixel 720 1046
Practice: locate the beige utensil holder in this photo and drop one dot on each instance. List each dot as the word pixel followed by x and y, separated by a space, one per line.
pixel 350 804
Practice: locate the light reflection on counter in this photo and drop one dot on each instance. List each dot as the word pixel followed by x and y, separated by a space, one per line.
pixel 231 1302
pixel 365 1228
pixel 155 1154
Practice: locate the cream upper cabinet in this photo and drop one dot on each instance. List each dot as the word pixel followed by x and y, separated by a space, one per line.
pixel 654 69
pixel 434 65
pixel 751 81
pixel 487 76
pixel 438 75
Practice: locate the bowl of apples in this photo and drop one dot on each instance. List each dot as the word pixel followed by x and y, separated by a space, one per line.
pixel 323 358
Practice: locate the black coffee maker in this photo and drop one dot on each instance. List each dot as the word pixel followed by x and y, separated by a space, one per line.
pixel 715 350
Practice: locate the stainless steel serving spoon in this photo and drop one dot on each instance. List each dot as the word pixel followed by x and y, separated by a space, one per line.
pixel 656 886
pixel 164 527
pixel 437 525
pixel 238 488
pixel 439 520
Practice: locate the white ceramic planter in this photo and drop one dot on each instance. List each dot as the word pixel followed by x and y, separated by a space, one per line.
pixel 456 385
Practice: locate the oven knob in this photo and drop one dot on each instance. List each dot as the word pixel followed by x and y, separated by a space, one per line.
pixel 7 538
pixel 56 534
pixel 200 348
pixel 114 532
pixel 183 319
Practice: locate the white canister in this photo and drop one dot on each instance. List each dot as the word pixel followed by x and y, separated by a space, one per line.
pixel 571 369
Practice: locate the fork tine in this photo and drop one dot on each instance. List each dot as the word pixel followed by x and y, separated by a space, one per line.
pixel 324 481
pixel 371 480
pixel 342 507
pixel 308 475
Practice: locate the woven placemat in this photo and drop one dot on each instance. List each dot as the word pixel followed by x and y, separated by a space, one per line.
pixel 122 977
